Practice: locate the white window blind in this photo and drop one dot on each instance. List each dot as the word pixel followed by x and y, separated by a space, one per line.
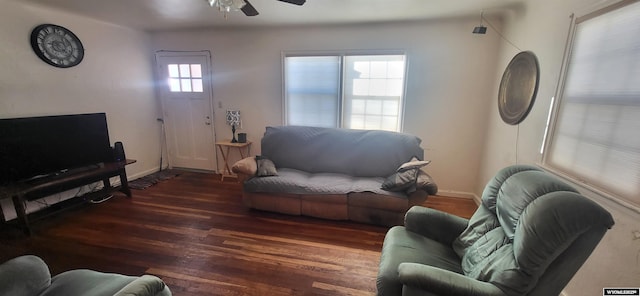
pixel 596 137
pixel 350 91
pixel 312 90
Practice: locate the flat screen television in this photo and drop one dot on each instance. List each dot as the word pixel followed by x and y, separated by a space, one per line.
pixel 37 147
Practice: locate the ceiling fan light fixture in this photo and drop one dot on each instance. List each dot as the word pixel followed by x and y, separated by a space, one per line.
pixel 227 5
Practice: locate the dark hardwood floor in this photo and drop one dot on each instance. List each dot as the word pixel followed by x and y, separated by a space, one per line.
pixel 194 232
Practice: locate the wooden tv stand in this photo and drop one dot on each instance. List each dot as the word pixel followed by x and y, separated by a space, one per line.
pixel 37 189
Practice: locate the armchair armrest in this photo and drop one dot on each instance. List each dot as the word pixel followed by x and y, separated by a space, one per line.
pixel 434 224
pixel 438 281
pixel 146 285
pixel 24 275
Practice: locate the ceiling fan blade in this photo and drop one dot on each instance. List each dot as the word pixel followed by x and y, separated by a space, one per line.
pixel 248 9
pixel 296 2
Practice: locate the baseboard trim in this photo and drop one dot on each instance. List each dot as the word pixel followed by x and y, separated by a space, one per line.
pixel 142 174
pixel 460 194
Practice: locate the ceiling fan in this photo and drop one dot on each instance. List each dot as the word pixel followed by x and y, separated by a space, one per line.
pixel 244 5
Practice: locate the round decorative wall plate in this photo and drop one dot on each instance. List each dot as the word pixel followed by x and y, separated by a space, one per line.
pixel 518 87
pixel 57 46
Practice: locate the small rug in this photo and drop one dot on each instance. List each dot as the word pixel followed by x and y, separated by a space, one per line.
pixel 150 180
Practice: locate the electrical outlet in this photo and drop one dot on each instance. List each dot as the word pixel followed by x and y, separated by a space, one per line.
pixel 636 234
pixel 220 104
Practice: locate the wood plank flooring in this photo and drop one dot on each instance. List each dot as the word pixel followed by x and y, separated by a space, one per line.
pixel 194 232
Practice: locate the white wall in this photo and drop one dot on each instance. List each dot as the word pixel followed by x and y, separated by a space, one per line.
pixel 447 91
pixel 115 77
pixel 542 27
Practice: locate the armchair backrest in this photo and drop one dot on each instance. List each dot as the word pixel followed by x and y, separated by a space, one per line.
pixel 531 233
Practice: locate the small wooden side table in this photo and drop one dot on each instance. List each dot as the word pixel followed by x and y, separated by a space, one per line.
pixel 225 147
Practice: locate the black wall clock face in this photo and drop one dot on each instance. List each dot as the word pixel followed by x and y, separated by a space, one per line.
pixel 57 46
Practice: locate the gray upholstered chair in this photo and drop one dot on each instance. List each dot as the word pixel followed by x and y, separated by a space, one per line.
pixel 529 236
pixel 29 276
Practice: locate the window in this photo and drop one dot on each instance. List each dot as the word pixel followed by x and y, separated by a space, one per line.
pixel 350 91
pixel 185 77
pixel 596 136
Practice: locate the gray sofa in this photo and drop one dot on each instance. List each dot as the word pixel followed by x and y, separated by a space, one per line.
pixel 30 276
pixel 530 235
pixel 334 174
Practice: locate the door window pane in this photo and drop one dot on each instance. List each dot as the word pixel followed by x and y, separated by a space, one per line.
pixel 197 85
pixel 185 78
pixel 185 70
pixel 174 85
pixel 196 71
pixel 173 71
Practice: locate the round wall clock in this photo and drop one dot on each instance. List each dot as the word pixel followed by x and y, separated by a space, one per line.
pixel 56 45
pixel 518 87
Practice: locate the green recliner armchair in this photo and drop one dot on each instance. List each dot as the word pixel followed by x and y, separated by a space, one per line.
pixel 530 235
pixel 30 276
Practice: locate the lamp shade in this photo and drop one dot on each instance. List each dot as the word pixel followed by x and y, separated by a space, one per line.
pixel 233 117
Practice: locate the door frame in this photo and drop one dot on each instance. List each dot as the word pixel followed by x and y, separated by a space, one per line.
pixel 209 76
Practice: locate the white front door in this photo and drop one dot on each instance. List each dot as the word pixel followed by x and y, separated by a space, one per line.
pixel 185 91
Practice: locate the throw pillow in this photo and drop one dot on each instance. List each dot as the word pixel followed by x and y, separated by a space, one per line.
pixel 413 164
pixel 405 177
pixel 247 166
pixel 400 181
pixel 424 182
pixel 266 167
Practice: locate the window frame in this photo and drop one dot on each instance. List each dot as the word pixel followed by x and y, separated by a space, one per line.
pixel 557 101
pixel 341 54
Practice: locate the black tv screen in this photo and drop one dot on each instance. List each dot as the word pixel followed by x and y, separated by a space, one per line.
pixel 34 147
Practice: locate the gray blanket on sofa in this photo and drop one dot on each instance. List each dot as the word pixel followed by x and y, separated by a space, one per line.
pixel 298 182
pixel 358 153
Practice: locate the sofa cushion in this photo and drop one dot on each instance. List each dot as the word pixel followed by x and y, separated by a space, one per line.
pixel 405 246
pixel 414 163
pixel 281 202
pixel 326 206
pixel 360 153
pixel 378 201
pixel 265 167
pixel 401 181
pixel 299 182
pixel 407 176
pixel 247 166
pixel 425 182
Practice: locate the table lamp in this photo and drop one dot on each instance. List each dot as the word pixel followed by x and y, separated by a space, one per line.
pixel 233 119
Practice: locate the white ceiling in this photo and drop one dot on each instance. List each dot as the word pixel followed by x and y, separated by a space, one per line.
pixel 155 15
